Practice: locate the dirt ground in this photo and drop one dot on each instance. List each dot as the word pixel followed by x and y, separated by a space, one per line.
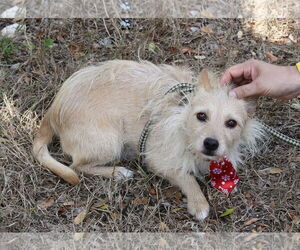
pixel 33 66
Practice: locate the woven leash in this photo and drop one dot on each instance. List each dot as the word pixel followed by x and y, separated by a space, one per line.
pixel 183 89
pixel 187 88
pixel 279 135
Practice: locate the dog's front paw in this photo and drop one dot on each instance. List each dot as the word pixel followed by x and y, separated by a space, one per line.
pixel 122 173
pixel 199 208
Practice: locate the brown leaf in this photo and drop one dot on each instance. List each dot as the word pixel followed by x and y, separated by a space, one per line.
pixel 296 159
pixel 271 57
pixel 80 217
pixel 99 203
pixel 207 14
pixel 116 216
pixel 270 171
pixel 152 191
pixel 46 203
pixel 74 48
pixel 207 30
pixel 186 49
pixel 78 236
pixel 78 55
pixel 69 203
pixel 248 195
pixel 141 201
pixel 219 52
pixel 162 227
pixel 251 221
pixel 172 192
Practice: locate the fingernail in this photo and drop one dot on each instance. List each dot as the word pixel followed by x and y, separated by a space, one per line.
pixel 232 94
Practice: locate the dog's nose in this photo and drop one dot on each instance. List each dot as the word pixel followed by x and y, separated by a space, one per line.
pixel 211 144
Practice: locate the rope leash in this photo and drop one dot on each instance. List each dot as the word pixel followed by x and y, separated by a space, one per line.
pixel 187 88
pixel 279 135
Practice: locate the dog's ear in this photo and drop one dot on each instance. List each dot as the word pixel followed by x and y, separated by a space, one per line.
pixel 204 79
pixel 251 104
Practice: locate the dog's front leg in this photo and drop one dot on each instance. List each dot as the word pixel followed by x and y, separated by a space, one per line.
pixel 197 203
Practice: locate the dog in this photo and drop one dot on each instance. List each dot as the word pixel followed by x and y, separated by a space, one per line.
pixel 100 112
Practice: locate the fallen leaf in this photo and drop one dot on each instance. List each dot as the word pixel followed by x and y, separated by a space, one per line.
pixel 248 195
pixel 251 221
pixel 178 201
pixel 271 57
pixel 207 14
pixel 69 203
pixel 207 30
pixel 174 210
pixel 141 201
pixel 78 55
pixel 186 49
pixel 198 57
pixel 172 192
pixel 98 204
pixel 162 227
pixel 240 34
pixel 78 236
pixel 74 48
pixel 296 159
pixel 250 237
pixel 115 216
pixel 152 47
pixel 80 217
pixel 296 106
pixel 104 207
pixel 152 191
pixel 46 203
pixel 292 38
pixel 227 212
pixel 219 52
pixel 270 171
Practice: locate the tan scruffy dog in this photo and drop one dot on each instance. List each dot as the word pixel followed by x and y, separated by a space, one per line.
pixel 100 112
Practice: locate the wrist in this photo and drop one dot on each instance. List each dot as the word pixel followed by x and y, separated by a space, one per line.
pixel 293 74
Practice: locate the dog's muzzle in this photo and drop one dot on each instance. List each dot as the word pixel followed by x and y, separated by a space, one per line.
pixel 210 146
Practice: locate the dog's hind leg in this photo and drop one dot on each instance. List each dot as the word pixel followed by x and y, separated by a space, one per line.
pixel 116 172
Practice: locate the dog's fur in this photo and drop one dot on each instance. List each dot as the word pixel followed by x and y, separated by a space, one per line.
pixel 100 112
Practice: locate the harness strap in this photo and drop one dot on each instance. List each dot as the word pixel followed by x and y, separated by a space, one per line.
pixel 187 88
pixel 183 88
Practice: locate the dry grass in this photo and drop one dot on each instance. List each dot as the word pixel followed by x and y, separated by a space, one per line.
pixel 31 75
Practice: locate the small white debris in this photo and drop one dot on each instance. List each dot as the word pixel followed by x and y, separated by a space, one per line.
pixel 125 6
pixel 10 30
pixel 292 38
pixel 106 42
pixel 194 13
pixel 15 66
pixel 14 12
pixel 198 57
pixel 240 34
pixel 296 106
pixel 194 29
pixel 125 23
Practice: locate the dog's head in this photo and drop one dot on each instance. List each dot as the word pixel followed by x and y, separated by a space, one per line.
pixel 217 123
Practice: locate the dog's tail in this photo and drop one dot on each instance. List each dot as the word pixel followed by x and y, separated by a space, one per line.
pixel 40 151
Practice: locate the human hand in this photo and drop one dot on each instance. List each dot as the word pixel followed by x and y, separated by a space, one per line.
pixel 257 78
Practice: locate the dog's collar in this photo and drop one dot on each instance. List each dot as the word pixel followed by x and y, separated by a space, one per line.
pixel 183 89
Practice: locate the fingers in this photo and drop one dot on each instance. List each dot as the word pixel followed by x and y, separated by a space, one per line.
pixel 238 73
pixel 248 90
pixel 234 73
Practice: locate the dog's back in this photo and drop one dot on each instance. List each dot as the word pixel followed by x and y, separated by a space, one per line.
pixel 101 108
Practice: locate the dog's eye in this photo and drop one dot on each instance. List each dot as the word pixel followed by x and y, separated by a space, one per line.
pixel 230 123
pixel 201 116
